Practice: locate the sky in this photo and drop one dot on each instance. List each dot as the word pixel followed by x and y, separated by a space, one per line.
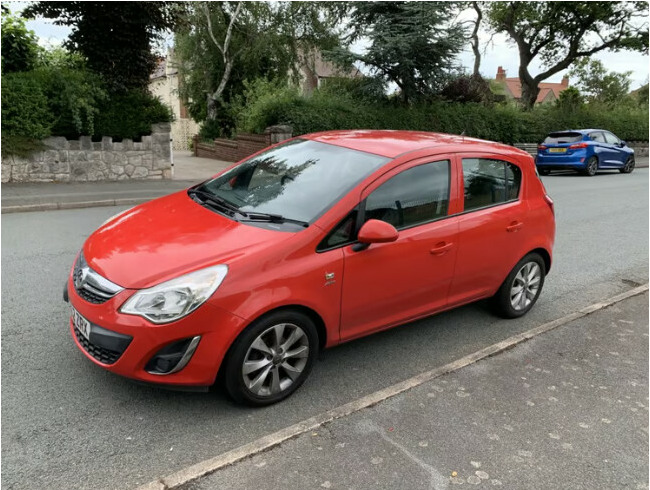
pixel 500 52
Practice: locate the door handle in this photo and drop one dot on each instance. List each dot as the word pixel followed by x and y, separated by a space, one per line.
pixel 514 226
pixel 441 248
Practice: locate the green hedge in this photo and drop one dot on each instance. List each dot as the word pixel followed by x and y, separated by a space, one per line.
pixel 24 107
pixel 504 122
pixel 61 101
pixel 130 115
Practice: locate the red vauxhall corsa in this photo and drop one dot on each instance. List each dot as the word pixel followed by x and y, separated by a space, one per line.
pixel 319 240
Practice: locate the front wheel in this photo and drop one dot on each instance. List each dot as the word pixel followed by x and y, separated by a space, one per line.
pixel 628 167
pixel 522 287
pixel 271 358
pixel 592 166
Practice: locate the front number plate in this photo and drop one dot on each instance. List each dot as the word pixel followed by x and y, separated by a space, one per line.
pixel 81 324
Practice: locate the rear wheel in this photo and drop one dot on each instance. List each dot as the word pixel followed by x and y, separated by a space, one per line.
pixel 271 358
pixel 543 171
pixel 628 167
pixel 592 166
pixel 522 287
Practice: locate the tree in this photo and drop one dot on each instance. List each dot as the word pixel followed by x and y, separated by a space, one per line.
pixel 220 45
pixel 598 84
pixel 412 44
pixel 570 99
pixel 559 33
pixel 19 45
pixel 116 38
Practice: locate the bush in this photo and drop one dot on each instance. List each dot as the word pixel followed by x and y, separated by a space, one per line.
pixel 24 107
pixel 503 122
pixel 73 98
pixel 19 45
pixel 130 115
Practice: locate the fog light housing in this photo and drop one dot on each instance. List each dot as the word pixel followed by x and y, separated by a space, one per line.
pixel 173 357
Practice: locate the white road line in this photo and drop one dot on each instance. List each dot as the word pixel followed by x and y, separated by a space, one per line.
pixel 267 442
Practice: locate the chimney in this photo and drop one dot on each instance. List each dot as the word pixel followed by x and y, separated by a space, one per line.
pixel 501 74
pixel 565 81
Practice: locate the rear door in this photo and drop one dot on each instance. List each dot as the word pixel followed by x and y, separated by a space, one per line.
pixel 390 283
pixel 490 226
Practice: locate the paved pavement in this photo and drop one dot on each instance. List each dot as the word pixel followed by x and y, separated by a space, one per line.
pixel 68 424
pixel 567 409
pixel 188 170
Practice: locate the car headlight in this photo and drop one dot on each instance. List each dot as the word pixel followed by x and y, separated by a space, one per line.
pixel 177 298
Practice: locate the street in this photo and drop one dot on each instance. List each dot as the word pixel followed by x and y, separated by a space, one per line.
pixel 69 424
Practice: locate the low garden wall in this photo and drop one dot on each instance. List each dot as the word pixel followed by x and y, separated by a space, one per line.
pixel 243 145
pixel 83 160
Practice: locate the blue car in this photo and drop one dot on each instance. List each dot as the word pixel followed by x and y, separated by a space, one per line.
pixel 584 150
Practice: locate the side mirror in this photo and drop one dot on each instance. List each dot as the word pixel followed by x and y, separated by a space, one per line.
pixel 375 231
pixel 623 143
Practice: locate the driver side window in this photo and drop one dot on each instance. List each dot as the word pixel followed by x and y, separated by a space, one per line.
pixel 415 196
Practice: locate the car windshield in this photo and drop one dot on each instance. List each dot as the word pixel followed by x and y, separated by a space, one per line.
pixel 294 182
pixel 560 138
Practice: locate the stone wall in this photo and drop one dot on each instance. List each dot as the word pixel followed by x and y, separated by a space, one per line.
pixel 84 160
pixel 244 145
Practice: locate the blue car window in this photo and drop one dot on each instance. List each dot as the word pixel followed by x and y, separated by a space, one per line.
pixel 611 139
pixel 598 137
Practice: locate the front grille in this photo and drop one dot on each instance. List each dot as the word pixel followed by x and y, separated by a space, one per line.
pixel 105 356
pixel 91 286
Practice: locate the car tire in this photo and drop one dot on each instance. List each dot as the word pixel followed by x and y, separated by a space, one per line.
pixel 543 171
pixel 591 168
pixel 628 167
pixel 528 277
pixel 260 368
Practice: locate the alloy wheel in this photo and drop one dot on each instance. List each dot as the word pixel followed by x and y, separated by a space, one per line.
pixel 525 286
pixel 275 359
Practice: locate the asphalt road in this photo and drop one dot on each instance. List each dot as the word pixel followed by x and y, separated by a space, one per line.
pixel 68 424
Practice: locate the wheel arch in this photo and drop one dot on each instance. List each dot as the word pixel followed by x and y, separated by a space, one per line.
pixel 305 310
pixel 545 255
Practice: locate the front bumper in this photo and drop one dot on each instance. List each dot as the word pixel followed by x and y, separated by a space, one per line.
pixel 124 344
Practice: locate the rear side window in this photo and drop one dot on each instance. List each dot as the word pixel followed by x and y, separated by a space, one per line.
pixel 559 138
pixel 488 182
pixel 417 195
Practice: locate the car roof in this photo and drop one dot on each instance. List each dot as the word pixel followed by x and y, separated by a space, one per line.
pixel 392 143
pixel 581 131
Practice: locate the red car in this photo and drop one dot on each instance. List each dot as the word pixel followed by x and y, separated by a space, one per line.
pixel 316 241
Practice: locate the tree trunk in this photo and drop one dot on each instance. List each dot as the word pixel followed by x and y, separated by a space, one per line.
pixel 212 108
pixel 529 86
pixel 474 39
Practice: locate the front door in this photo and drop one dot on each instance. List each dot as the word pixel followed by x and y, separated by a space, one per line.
pixel 390 283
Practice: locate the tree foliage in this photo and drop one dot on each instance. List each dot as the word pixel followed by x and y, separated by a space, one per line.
pixel 599 84
pixel 265 40
pixel 116 38
pixel 559 33
pixel 19 45
pixel 412 44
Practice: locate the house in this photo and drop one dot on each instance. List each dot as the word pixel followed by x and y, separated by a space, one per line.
pixel 163 83
pixel 548 92
pixel 314 71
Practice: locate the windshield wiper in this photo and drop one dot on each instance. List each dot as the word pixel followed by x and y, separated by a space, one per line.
pixel 274 218
pixel 214 200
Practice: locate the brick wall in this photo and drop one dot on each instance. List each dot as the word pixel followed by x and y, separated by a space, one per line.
pixel 242 146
